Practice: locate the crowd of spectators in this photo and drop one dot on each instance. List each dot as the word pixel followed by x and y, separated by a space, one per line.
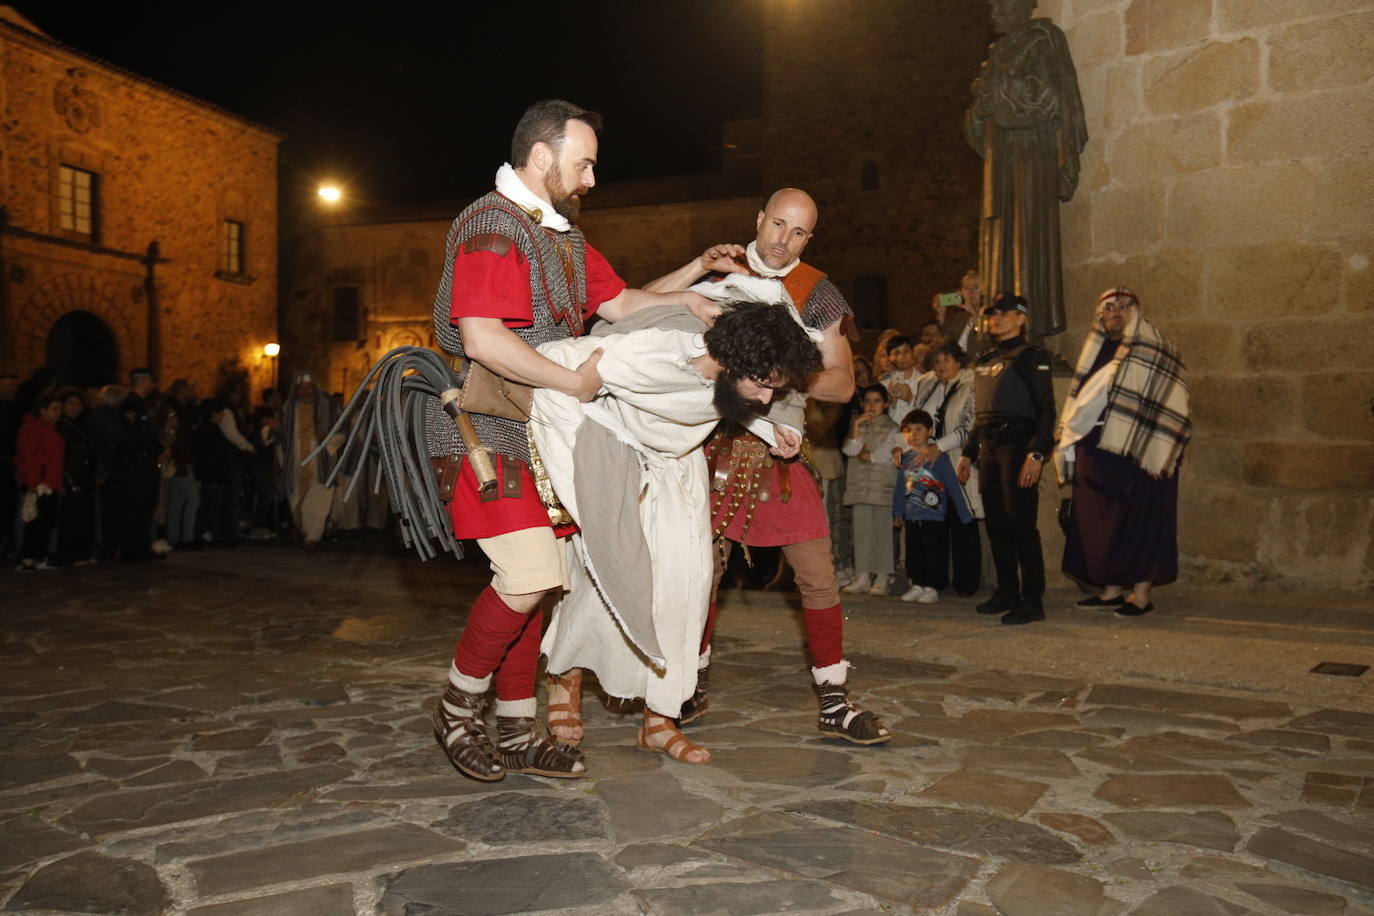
pixel 903 521
pixel 913 403
pixel 131 473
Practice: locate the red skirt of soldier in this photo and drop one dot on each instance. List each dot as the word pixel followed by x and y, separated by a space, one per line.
pixel 775 522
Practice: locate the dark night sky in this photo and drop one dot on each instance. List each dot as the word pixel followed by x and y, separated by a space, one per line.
pixel 405 105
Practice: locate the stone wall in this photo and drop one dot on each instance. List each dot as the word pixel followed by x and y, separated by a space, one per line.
pixel 1229 180
pixel 171 169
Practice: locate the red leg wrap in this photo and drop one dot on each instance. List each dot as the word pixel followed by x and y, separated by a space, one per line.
pixel 824 635
pixel 492 627
pixel 710 628
pixel 515 675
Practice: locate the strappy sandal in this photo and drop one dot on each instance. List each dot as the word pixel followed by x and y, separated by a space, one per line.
pixel 676 747
pixel 462 736
pixel 840 717
pixel 521 749
pixel 570 713
pixel 696 705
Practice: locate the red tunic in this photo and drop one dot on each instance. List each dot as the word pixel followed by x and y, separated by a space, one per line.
pixel 491 285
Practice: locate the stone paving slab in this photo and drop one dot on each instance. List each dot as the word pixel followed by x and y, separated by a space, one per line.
pixel 647 807
pixel 1023 889
pixel 330 900
pixel 514 818
pixel 89 882
pixel 151 807
pixel 333 855
pixel 25 839
pixel 1180 701
pixel 738 899
pixel 949 828
pixel 1292 899
pixel 888 869
pixel 1205 829
pixel 489 887
pixel 988 790
pixel 1291 849
pixel 1129 790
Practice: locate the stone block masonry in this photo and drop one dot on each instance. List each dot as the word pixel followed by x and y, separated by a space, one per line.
pixel 1231 185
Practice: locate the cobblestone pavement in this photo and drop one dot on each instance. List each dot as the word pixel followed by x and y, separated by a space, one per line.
pixel 247 732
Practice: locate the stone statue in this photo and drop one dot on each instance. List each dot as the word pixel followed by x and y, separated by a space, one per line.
pixel 1027 123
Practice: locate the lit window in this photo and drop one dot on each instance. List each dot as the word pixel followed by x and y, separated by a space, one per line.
pixel 231 250
pixel 76 200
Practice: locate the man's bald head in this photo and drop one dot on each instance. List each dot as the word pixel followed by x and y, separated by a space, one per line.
pixel 785 225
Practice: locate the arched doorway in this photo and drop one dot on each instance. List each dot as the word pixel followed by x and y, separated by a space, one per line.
pixel 83 351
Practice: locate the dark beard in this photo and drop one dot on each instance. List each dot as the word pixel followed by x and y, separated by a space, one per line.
pixel 734 408
pixel 565 205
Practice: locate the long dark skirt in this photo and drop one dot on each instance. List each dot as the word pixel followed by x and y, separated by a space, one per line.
pixel 1125 527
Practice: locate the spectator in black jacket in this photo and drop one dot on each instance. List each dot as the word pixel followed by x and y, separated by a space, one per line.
pixel 214 459
pixel 76 525
pixel 143 477
pixel 112 447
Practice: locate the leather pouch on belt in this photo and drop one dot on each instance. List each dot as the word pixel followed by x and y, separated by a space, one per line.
pixel 488 393
pixel 446 474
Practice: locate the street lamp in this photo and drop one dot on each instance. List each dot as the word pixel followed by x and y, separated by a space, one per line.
pixel 330 194
pixel 270 351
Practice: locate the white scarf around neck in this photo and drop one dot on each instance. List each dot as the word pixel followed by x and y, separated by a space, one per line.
pixel 756 264
pixel 509 184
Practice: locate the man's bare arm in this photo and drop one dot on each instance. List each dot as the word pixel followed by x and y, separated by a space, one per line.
pixel 491 343
pixel 716 259
pixel 632 300
pixel 835 381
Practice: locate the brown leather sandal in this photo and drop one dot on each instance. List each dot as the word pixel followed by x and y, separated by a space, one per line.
pixel 462 736
pixel 677 747
pixel 522 749
pixel 570 713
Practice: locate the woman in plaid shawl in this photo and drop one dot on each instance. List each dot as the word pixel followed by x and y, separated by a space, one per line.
pixel 1125 425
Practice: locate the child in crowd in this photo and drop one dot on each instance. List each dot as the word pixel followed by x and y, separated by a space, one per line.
pixel 867 488
pixel 925 495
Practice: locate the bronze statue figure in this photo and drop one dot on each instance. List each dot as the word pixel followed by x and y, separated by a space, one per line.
pixel 1027 123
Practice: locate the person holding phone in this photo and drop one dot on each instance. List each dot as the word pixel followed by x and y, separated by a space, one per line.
pixel 957 312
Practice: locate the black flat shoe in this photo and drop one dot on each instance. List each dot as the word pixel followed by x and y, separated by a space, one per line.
pixel 1024 613
pixel 1128 609
pixel 997 604
pixel 1096 601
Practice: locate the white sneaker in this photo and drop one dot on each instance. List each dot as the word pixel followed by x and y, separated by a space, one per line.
pixel 928 595
pixel 861 583
pixel 843 577
pixel 915 593
pixel 879 586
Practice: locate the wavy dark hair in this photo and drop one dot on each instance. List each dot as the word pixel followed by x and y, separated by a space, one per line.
pixel 752 340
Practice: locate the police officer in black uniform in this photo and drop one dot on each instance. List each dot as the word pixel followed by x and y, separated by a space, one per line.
pixel 1012 433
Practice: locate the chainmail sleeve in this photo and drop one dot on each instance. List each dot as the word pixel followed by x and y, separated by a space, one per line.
pixel 824 307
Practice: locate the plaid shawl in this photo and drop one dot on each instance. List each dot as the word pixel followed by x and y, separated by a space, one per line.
pixel 1147 417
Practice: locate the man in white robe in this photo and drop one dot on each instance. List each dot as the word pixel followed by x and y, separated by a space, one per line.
pixel 664 389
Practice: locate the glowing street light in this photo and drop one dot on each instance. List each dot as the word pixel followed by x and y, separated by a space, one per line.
pixel 330 194
pixel 271 349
